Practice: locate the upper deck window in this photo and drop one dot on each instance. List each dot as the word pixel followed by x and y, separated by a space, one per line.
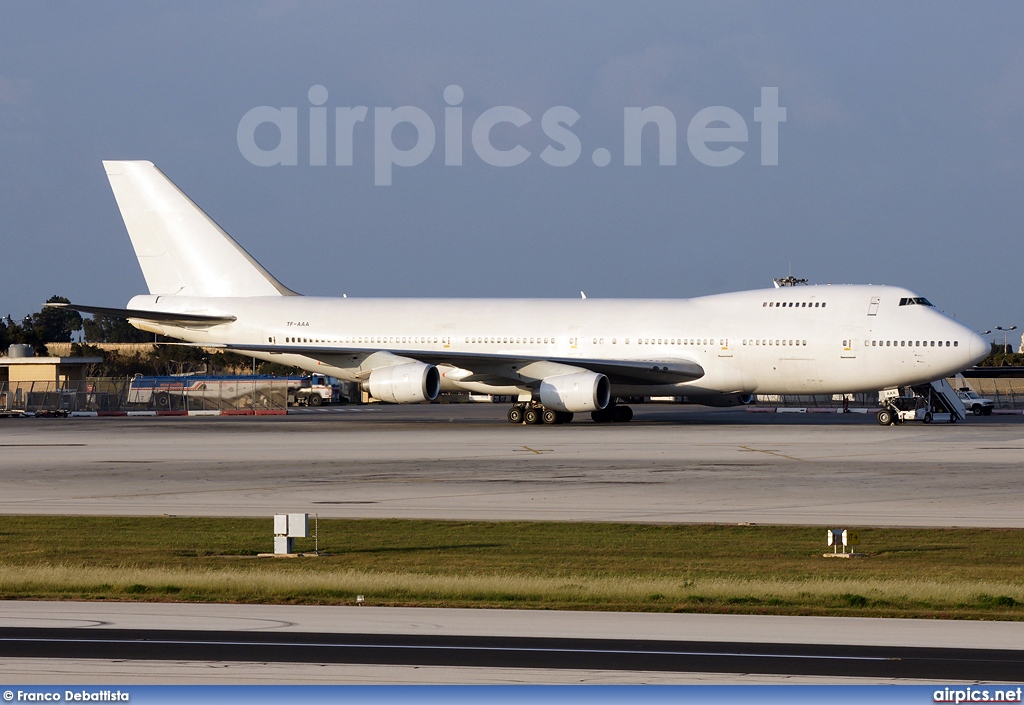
pixel 916 301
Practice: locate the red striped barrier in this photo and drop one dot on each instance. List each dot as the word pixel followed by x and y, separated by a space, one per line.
pixel 200 412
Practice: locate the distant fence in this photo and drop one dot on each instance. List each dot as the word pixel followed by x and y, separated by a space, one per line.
pixel 1005 393
pixel 817 401
pixel 113 394
pixel 117 394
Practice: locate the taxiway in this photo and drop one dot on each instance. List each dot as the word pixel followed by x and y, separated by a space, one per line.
pixel 465 462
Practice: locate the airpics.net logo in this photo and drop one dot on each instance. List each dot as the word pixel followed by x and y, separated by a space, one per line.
pixel 712 134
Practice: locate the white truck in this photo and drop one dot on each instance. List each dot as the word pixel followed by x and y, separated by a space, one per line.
pixel 316 390
pixel 978 405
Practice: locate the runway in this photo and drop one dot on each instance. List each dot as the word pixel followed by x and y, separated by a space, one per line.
pixel 673 464
pixel 505 645
pixel 491 652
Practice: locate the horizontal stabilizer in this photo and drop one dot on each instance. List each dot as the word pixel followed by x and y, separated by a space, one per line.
pixel 185 319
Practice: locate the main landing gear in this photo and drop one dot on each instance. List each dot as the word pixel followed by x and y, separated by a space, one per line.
pixel 534 413
pixel 618 413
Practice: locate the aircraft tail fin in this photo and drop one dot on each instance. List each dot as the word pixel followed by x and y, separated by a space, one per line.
pixel 180 249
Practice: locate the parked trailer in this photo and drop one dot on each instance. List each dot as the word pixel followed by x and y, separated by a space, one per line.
pixel 264 391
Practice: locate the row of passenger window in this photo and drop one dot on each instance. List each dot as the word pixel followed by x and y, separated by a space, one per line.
pixel 422 340
pixel 793 304
pixel 775 342
pixel 910 343
pixel 483 340
pixel 517 341
pixel 597 341
pixel 670 341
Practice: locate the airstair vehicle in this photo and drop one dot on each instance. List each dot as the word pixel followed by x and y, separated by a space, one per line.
pixel 936 402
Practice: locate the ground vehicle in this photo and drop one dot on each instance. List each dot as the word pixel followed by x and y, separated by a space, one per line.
pixel 978 405
pixel 202 391
pixel 934 402
pixel 316 390
pixel 903 409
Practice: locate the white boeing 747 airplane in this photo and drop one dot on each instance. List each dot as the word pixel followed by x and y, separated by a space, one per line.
pixel 556 357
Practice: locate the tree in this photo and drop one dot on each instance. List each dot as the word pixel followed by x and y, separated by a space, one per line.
pixel 55 325
pixel 102 329
pixel 1002 357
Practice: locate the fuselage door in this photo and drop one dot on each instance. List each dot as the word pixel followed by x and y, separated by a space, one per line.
pixel 849 343
pixel 873 306
pixel 269 335
pixel 574 341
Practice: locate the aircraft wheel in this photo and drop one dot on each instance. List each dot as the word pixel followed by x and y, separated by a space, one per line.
pixel 532 416
pixel 885 417
pixel 315 400
pixel 515 414
pixel 927 417
pixel 622 414
pixel 551 416
pixel 565 417
pixel 601 416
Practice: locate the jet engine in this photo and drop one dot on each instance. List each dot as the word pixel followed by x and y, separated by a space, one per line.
pixel 579 391
pixel 405 384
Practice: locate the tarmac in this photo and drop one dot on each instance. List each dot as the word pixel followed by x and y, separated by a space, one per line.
pixel 465 462
pixel 89 618
pixel 671 464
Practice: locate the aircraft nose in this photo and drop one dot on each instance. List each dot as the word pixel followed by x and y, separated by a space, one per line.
pixel 978 348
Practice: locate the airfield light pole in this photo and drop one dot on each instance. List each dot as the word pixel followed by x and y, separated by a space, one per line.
pixel 1005 331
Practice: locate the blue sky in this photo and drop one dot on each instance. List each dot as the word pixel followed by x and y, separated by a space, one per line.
pixel 900 161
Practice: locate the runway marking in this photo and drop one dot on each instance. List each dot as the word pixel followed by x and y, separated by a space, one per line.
pixel 450 647
pixel 42 445
pixel 528 449
pixel 349 501
pixel 776 453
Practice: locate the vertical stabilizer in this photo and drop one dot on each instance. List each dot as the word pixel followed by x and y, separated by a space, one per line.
pixel 180 249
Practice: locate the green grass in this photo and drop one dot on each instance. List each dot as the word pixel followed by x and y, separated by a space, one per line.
pixel 960 573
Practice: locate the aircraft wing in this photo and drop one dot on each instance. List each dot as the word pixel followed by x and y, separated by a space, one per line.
pixel 653 371
pixel 183 319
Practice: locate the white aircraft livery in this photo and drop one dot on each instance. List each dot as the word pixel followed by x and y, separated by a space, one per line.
pixel 556 357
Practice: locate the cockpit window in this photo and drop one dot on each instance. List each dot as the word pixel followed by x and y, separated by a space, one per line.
pixel 915 301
